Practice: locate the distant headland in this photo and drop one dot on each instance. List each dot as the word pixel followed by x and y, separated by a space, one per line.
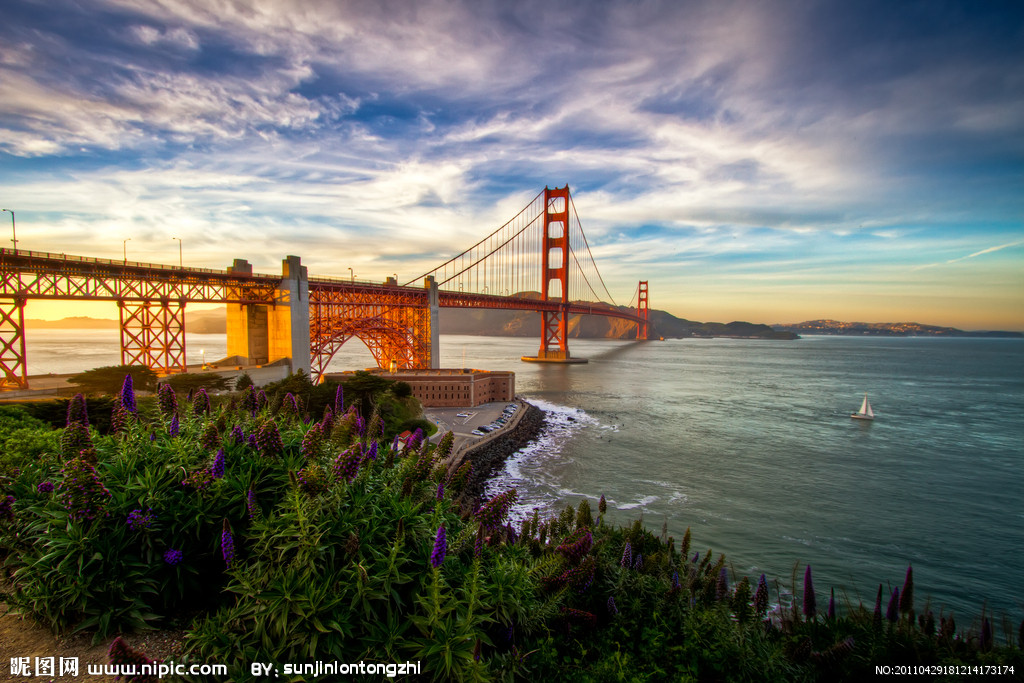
pixel 885 329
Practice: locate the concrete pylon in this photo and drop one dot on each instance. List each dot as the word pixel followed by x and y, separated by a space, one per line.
pixel 434 304
pixel 259 334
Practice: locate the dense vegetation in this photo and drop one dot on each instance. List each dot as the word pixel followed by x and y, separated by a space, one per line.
pixel 274 537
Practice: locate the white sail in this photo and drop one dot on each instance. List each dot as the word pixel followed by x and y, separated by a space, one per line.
pixel 865 412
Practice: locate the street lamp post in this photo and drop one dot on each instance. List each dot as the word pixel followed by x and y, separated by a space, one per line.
pixel 14 233
pixel 351 275
pixel 124 244
pixel 180 262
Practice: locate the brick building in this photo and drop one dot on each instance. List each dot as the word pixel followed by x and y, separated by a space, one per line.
pixel 456 387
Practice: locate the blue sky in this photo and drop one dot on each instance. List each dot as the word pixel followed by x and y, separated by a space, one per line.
pixel 765 161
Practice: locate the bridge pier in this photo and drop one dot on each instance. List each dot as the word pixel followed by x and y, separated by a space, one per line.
pixel 259 334
pixel 12 344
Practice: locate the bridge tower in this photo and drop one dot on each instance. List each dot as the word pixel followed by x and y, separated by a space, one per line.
pixel 644 309
pixel 554 333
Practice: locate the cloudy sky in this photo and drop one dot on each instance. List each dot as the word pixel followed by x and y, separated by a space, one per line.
pixel 769 161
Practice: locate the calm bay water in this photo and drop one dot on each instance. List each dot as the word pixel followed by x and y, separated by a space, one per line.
pixel 750 444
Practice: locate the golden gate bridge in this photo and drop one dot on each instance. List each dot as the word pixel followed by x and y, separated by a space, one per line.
pixel 543 249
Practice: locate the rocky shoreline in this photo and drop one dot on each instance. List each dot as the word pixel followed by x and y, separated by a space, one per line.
pixel 490 455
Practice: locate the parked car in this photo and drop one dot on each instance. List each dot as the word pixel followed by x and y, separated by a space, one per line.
pixel 478 432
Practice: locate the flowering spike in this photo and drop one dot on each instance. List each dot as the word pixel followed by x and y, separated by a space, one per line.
pixel 128 395
pixel 166 399
pixel 140 521
pixel 627 556
pixel 877 618
pixel 252 506
pixel 602 507
pixel 761 597
pixel 77 411
pixel 339 400
pixel 907 594
pixel 722 589
pixel 810 600
pixel 217 469
pixel 831 614
pixel 172 556
pixel 227 544
pixel 440 548
pixel 175 426
pixel 892 613
pixel 639 563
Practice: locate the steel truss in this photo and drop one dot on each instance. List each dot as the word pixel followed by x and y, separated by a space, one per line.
pixel 393 322
pixel 153 336
pixel 12 343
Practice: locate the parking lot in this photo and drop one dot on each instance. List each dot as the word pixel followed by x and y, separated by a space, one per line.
pixel 462 421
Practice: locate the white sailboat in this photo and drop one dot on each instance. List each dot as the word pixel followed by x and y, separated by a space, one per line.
pixel 865 412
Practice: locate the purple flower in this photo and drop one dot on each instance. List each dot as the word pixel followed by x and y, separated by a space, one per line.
pixel 638 564
pixel 346 465
pixel 602 507
pixel 907 594
pixel 831 614
pixel 440 491
pixel 268 439
pixel 675 580
pixel 440 548
pixel 166 399
pixel 492 514
pixel 172 556
pixel 761 596
pixel 128 395
pixel 627 556
pixel 575 548
pixel 415 439
pixel 175 425
pixel 810 600
pixel 892 612
pixel 612 609
pixel 722 588
pixel 251 505
pixel 45 487
pixel 339 400
pixel 77 412
pixel 372 453
pixel 696 558
pixel 237 435
pixel 217 469
pixel 140 521
pixel 227 545
pixel 201 402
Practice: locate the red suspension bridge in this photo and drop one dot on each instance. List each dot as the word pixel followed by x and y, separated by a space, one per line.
pixel 307 319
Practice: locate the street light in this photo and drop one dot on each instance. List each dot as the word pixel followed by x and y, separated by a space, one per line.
pixel 14 234
pixel 124 243
pixel 180 264
pixel 351 275
pixel 203 354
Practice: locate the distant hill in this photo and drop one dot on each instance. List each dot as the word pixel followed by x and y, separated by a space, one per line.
pixel 200 322
pixel 885 329
pixel 488 322
pixel 491 322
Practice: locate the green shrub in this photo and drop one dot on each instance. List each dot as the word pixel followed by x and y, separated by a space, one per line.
pixel 108 380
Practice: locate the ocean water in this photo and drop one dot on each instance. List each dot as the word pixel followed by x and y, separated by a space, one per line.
pixel 750 444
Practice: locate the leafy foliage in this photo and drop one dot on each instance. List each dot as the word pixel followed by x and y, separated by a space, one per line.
pixel 336 547
pixel 193 381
